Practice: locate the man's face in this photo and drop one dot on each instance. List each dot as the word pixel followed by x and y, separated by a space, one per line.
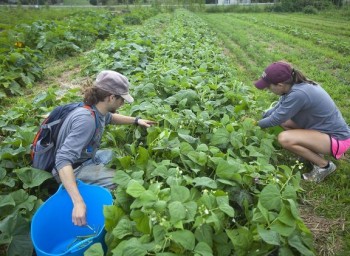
pixel 116 102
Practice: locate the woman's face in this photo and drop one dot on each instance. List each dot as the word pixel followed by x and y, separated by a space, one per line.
pixel 279 89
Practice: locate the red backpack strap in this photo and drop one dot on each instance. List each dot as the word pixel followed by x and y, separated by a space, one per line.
pixel 35 140
pixel 90 109
pixel 93 114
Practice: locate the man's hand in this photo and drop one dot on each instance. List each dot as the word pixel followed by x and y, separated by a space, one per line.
pixel 145 123
pixel 79 214
pixel 79 208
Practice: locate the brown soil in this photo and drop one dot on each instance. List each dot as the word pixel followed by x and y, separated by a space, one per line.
pixel 326 232
pixel 66 82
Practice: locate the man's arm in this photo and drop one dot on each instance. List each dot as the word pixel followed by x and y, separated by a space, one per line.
pixel 121 119
pixel 79 208
pixel 75 134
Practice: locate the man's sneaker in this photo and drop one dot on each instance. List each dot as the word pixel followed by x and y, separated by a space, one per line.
pixel 318 174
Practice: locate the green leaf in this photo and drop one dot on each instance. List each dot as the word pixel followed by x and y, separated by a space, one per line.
pixel 204 233
pixel 286 217
pixel 94 250
pixel 205 182
pixel 122 178
pixel 191 210
pixel 270 197
pixel 199 158
pixel 203 249
pixel 215 221
pixel 241 239
pixel 130 247
pixel 253 151
pixel 185 148
pixel 220 137
pixel 297 243
pixel 142 157
pixel 142 221
pixel 159 234
pixel 9 153
pixel 264 212
pixel 285 251
pixel 180 193
pixel 185 238
pixel 160 206
pixel 294 209
pixel 177 211
pixel 135 189
pixel 125 161
pixel 6 200
pixel 289 193
pixel 229 171
pixel 187 138
pixel 123 229
pixel 281 228
pixel 32 177
pixel 269 236
pixel 24 200
pixel 113 215
pixel 21 243
pixel 224 205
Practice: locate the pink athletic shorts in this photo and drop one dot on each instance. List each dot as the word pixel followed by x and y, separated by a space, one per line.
pixel 339 147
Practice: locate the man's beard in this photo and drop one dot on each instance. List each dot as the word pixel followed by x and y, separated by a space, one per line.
pixel 113 110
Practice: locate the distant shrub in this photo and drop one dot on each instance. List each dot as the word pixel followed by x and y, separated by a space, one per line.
pixel 132 19
pixel 138 15
pixel 300 5
pixel 310 10
pixel 235 8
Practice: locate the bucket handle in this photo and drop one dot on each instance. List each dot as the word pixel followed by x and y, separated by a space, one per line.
pixel 83 243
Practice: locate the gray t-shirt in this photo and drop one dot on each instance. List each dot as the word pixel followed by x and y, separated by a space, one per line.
pixel 310 107
pixel 78 138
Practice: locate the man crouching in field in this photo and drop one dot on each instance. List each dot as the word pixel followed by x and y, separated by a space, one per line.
pixel 79 138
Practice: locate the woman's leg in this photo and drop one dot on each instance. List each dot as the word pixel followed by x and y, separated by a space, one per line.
pixel 307 144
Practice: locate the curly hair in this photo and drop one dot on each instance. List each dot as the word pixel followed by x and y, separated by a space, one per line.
pixel 94 95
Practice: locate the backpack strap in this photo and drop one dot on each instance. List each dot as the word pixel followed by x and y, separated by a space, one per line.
pixel 45 126
pixel 35 141
pixel 93 114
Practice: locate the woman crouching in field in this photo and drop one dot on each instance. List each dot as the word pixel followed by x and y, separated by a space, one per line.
pixel 312 123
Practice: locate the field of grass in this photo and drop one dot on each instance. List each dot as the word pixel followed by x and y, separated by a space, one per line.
pixel 319 45
pixel 76 2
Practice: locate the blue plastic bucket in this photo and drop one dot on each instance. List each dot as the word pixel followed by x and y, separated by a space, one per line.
pixel 52 230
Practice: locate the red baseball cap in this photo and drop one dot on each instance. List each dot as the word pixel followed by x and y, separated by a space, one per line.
pixel 277 72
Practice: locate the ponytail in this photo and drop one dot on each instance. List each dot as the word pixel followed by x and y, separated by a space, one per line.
pixel 298 77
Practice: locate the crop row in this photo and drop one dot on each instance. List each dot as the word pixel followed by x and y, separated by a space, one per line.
pixel 319 38
pixel 28 45
pixel 261 45
pixel 201 182
pixel 204 181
